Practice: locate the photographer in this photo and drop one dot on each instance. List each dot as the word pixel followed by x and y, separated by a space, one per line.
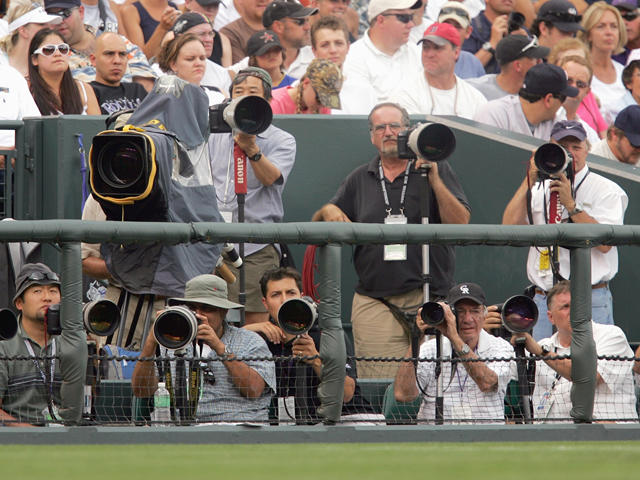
pixel 473 390
pixel 271 156
pixel 386 190
pixel 278 286
pixel 585 198
pixel 32 390
pixel 232 390
pixel 614 397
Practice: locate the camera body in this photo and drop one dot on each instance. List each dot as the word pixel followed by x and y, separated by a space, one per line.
pixel 515 22
pixel 100 317
pixel 431 141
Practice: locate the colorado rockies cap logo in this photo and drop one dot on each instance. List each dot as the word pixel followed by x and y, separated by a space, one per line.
pixel 572 11
pixel 266 37
pixel 464 289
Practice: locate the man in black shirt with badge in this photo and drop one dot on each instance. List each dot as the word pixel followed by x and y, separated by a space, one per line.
pixel 387 190
pixel 110 61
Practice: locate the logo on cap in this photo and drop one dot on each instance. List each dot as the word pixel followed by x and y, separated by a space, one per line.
pixel 464 289
pixel 266 37
pixel 572 11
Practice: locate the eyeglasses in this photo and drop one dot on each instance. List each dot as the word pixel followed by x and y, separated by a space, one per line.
pixel 395 127
pixel 50 49
pixel 66 13
pixel 577 83
pixel 346 2
pixel 457 11
pixel 630 16
pixel 532 44
pixel 402 17
pixel 560 97
pixel 563 17
pixel 299 21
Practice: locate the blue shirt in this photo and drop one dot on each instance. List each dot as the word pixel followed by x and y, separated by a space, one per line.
pixel 481 33
pixel 468 66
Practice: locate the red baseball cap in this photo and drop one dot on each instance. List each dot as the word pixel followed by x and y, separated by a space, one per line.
pixel 438 33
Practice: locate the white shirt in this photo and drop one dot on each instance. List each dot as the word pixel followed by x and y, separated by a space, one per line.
pixel 601 148
pixel 296 70
pixel 355 98
pixel 418 97
pixel 216 76
pixel 463 400
pixel 611 95
pixel 614 399
pixel 506 113
pixel 227 13
pixel 601 198
pixel 385 73
pixel 16 101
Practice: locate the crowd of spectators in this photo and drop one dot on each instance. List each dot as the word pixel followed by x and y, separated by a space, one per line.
pixel 561 71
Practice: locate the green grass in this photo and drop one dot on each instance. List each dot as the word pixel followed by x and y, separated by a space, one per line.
pixel 477 461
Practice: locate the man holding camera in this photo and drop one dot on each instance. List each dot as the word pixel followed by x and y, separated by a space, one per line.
pixel 585 198
pixel 387 190
pixel 271 157
pixel 231 389
pixel 31 390
pixel 474 389
pixel 614 397
pixel 277 287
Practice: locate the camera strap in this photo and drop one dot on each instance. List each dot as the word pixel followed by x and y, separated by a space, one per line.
pixel 48 385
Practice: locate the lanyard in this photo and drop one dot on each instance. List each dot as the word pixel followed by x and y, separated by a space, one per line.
pixel 384 188
pixel 37 364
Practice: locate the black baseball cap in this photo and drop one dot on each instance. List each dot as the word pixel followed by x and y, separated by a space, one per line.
pixel 34 274
pixel 285 8
pixel 628 120
pixel 562 14
pixel 546 78
pixel 61 4
pixel 261 42
pixel 568 128
pixel 629 5
pixel 188 20
pixel 513 47
pixel 470 291
pixel 206 3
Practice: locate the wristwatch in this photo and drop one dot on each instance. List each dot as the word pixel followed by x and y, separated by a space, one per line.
pixel 465 350
pixel 487 46
pixel 256 157
pixel 227 352
pixel 546 350
pixel 576 210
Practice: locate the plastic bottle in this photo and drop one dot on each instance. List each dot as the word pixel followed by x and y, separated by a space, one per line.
pixel 161 405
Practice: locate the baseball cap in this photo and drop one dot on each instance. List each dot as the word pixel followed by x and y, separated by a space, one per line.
pixel 34 274
pixel 256 72
pixel 326 80
pixel 61 4
pixel 455 11
pixel 440 34
pixel 625 4
pixel 628 120
pixel 376 7
pixel 37 15
pixel 470 291
pixel 188 20
pixel 513 47
pixel 562 14
pixel 206 289
pixel 568 128
pixel 545 78
pixel 285 8
pixel 206 3
pixel 261 42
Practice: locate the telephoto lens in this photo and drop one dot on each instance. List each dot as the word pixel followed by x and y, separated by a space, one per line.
pixel 101 317
pixel 176 327
pixel 8 324
pixel 519 314
pixel 297 315
pixel 432 314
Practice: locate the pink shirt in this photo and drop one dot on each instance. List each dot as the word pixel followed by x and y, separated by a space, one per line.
pixel 281 103
pixel 590 113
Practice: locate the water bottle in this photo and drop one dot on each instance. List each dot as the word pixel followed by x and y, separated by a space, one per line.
pixel 161 405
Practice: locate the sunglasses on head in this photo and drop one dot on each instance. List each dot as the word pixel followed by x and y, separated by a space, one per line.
pixel 39 276
pixel 532 44
pixel 50 49
pixel 563 17
pixel 66 13
pixel 402 17
pixel 458 11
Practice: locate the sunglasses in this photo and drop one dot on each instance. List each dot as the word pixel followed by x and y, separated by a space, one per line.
pixel 402 17
pixel 564 17
pixel 39 276
pixel 66 13
pixel 577 83
pixel 454 10
pixel 532 44
pixel 48 50
pixel 299 21
pixel 630 16
pixel 560 97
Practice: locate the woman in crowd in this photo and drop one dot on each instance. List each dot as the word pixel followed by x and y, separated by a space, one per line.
pixel 317 92
pixel 265 51
pixel 589 109
pixel 51 83
pixel 605 34
pixel 25 19
pixel 185 57
pixel 148 21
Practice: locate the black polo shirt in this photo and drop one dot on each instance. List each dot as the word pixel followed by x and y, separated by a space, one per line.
pixel 360 197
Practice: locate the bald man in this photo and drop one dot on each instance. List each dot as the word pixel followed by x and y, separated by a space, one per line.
pixel 110 61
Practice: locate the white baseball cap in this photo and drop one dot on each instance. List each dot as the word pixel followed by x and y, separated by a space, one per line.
pixel 376 7
pixel 37 15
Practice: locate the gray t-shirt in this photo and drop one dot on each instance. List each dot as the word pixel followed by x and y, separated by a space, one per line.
pixel 488 86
